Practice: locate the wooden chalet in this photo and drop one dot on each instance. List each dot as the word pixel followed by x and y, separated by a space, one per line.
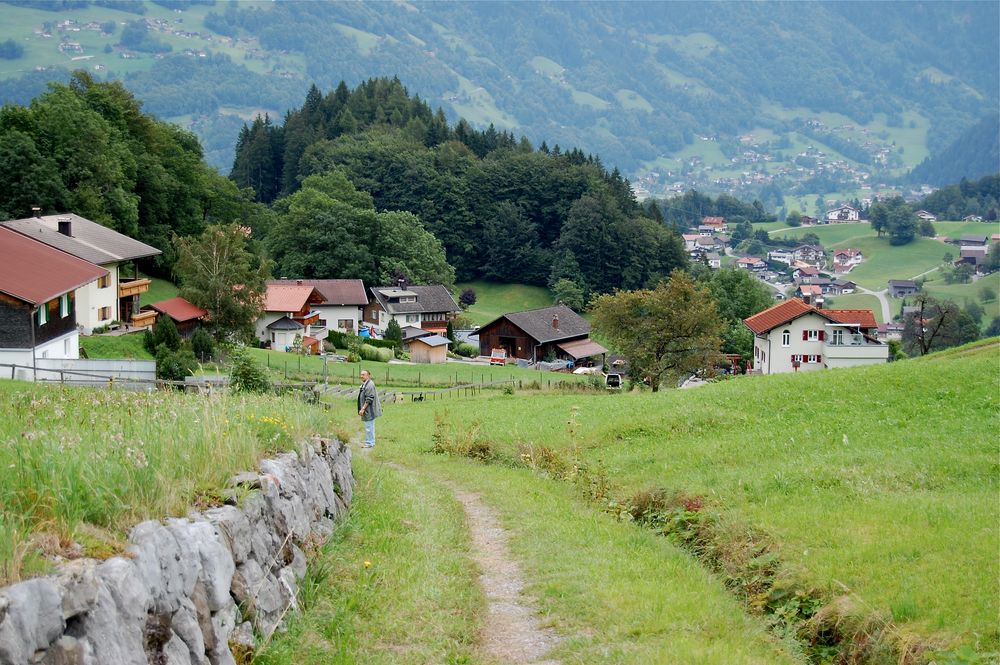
pixel 535 334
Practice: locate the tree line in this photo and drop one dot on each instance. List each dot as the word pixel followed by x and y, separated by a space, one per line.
pixel 502 209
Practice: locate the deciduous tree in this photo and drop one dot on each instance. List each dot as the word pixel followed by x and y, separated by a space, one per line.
pixel 665 332
pixel 220 271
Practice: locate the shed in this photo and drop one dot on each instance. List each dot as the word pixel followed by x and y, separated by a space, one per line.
pixel 431 349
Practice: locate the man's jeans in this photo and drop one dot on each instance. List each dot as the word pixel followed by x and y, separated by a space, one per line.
pixel 369 432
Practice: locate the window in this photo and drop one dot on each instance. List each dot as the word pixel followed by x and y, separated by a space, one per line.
pixel 345 324
pixel 66 347
pixel 813 358
pixel 65 305
pixel 104 282
pixel 413 318
pixel 813 335
pixel 408 299
pixel 43 314
pixel 838 337
pixel 786 338
pixel 104 313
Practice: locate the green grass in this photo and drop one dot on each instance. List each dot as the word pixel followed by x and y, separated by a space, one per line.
pixel 398 375
pixel 874 507
pixel 120 346
pixel 159 289
pixel 417 602
pixel 882 260
pixel 962 293
pixel 84 464
pixel 630 99
pixel 494 300
pixel 958 229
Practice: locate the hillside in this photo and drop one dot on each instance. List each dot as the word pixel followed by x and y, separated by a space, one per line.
pixel 677 90
pixel 891 514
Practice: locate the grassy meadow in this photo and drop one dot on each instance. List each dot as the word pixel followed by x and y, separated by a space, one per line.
pixel 896 512
pixel 83 465
pixel 494 300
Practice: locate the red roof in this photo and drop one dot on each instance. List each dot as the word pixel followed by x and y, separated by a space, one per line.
pixel 863 317
pixel 36 273
pixel 289 297
pixel 793 308
pixel 334 291
pixel 713 221
pixel 772 317
pixel 179 309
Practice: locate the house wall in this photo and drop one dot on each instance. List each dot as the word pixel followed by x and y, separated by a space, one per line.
pixel 778 358
pixel 422 353
pixel 90 300
pixel 489 339
pixel 263 334
pixel 334 313
pixel 284 340
pixel 854 356
pixel 64 346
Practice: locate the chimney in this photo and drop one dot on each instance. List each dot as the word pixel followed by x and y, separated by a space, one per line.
pixel 555 321
pixel 298 282
pixel 401 283
pixel 66 226
pixel 36 212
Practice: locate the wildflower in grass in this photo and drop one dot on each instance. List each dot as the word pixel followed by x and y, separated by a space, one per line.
pixel 368 564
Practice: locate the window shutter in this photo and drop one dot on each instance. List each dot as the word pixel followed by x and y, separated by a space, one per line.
pixel 822 335
pixel 819 359
pixel 805 335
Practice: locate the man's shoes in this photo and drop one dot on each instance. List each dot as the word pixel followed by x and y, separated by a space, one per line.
pixel 368 445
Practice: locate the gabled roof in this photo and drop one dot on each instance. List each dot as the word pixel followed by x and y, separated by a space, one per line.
pixel 289 298
pixel 973 237
pixel 808 270
pixel 179 309
pixel 333 291
pixel 811 289
pixel 780 314
pixel 433 340
pixel 903 282
pixel 89 241
pixel 863 317
pixel 285 323
pixel 713 221
pixel 430 298
pixel 35 273
pixel 793 308
pixel 538 323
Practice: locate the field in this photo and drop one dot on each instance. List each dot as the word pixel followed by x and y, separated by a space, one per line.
pixel 84 465
pixel 494 300
pixel 159 289
pixel 854 506
pixel 882 260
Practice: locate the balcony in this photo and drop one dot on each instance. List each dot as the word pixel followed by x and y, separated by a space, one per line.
pixel 319 332
pixel 144 318
pixel 853 349
pixel 132 288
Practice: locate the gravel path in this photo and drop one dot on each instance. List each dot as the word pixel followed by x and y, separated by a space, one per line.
pixel 512 632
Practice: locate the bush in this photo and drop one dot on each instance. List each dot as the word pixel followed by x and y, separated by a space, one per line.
pixel 468 298
pixel 466 350
pixel 343 340
pixel 174 364
pixel 164 332
pixel 202 345
pixel 393 333
pixel 248 376
pixel 373 354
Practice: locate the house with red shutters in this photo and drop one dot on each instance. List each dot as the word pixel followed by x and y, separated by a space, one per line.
pixel 795 336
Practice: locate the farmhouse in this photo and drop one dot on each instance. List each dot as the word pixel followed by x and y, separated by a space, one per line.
pixel 926 216
pixel 781 256
pixel 751 263
pixel 554 332
pixel 902 287
pixel 842 287
pixel 38 287
pixel 429 307
pixel 113 297
pixel 717 224
pixel 793 336
pixel 845 259
pixel 289 319
pixel 343 301
pixel 843 214
pixel 185 315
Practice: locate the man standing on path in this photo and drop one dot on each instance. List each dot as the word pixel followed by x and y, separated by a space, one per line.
pixel 369 407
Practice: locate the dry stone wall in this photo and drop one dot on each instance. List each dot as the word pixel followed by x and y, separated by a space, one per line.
pixel 192 589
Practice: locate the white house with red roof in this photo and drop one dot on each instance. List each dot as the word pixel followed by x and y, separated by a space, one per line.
pixel 289 320
pixel 793 336
pixel 38 306
pixel 343 301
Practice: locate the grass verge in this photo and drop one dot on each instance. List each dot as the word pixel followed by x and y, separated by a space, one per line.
pixel 79 466
pixel 395 585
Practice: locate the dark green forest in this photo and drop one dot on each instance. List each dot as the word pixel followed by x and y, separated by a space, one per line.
pixel 976 151
pixel 87 148
pixel 502 209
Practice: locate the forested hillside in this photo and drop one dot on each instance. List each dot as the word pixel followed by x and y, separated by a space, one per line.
pixel 678 92
pixel 87 148
pixel 501 209
pixel 976 152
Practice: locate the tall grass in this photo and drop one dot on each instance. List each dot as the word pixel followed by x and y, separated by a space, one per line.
pixel 79 466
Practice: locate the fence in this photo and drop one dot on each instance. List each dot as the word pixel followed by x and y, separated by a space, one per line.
pixel 129 374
